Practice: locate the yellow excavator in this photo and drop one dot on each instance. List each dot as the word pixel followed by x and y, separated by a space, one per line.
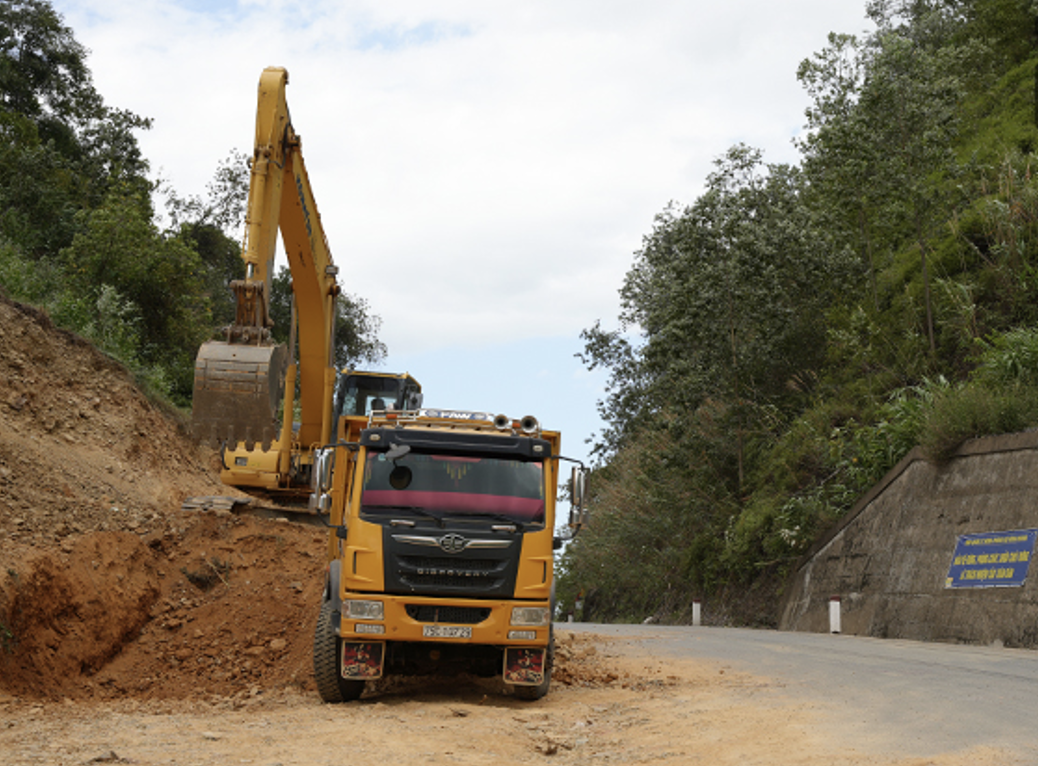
pixel 441 523
pixel 244 379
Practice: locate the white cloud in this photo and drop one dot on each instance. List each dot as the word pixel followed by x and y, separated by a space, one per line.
pixel 484 170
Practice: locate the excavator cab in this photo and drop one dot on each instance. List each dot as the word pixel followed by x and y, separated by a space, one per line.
pixel 360 393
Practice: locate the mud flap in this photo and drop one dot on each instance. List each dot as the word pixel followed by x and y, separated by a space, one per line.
pixel 524 667
pixel 237 392
pixel 362 660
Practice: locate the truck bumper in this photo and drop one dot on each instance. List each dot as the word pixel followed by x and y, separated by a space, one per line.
pixel 444 623
pixel 413 618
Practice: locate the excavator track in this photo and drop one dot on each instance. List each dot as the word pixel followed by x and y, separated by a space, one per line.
pixel 251 506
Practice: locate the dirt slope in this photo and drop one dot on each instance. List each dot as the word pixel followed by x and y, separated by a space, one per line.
pixel 106 587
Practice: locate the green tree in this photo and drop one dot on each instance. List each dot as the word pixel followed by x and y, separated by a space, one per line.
pixel 730 296
pixel 626 403
pixel 656 536
pixel 120 247
pixel 909 105
pixel 838 156
pixel 212 225
pixel 880 147
pixel 62 147
pixel 39 190
pixel 43 72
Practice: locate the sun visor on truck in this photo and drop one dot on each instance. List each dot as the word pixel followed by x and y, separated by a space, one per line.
pixel 457 442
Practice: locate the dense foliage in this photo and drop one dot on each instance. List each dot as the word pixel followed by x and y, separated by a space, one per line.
pixel 79 234
pixel 789 336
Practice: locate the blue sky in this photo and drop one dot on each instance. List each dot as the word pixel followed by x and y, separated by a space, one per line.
pixel 484 171
pixel 396 37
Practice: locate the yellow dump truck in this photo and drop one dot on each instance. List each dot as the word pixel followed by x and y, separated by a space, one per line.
pixel 441 555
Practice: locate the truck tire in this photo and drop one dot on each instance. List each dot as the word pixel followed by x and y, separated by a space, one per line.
pixel 327 662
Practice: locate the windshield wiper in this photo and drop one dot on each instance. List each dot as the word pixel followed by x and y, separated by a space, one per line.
pixel 417 510
pixel 492 515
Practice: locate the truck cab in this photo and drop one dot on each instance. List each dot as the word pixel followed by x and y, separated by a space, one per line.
pixel 441 551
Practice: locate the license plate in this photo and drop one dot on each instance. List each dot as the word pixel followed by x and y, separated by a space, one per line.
pixel 446 631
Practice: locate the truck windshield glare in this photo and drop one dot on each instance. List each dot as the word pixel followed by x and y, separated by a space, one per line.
pixel 455 486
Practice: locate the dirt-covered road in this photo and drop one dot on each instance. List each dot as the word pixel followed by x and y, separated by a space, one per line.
pixel 615 704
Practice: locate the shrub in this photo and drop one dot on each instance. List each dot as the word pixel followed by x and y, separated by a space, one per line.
pixel 972 410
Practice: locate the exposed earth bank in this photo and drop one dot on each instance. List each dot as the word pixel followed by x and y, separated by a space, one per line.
pixel 107 588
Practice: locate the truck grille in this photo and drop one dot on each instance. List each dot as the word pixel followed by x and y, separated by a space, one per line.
pixel 425 572
pixel 457 615
pixel 414 567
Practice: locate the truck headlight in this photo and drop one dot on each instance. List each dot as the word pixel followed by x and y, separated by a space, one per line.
pixel 530 615
pixel 362 610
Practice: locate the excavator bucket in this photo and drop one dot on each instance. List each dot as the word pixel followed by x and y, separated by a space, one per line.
pixel 237 391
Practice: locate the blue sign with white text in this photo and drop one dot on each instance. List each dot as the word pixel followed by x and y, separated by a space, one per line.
pixel 991 559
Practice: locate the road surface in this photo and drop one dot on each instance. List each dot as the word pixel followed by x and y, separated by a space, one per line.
pixel 621 695
pixel 904 697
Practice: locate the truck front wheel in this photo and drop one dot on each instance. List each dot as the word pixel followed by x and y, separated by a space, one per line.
pixel 328 661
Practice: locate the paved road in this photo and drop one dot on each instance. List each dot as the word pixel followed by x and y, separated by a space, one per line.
pixel 904 697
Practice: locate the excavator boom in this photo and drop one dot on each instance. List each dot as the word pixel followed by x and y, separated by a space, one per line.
pixel 240 380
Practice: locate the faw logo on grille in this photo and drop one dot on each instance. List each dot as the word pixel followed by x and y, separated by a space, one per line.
pixel 453 543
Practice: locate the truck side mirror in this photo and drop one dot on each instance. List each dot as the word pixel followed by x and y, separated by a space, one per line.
pixel 324 462
pixel 320 501
pixel 578 513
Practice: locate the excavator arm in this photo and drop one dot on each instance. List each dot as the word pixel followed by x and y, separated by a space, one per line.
pixel 244 379
pixel 240 381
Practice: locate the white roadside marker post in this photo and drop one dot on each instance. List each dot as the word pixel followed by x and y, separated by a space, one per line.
pixel 834 614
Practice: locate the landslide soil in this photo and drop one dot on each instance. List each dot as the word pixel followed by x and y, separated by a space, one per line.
pixel 134 632
pixel 107 588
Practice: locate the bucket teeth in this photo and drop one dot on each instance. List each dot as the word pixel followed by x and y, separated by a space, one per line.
pixel 237 392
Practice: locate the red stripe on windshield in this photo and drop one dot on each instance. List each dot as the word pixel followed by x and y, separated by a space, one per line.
pixel 519 508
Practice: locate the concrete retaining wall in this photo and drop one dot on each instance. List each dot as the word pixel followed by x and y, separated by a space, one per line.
pixel 888 558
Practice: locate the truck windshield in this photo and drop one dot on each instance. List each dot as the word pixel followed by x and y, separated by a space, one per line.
pixel 445 485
